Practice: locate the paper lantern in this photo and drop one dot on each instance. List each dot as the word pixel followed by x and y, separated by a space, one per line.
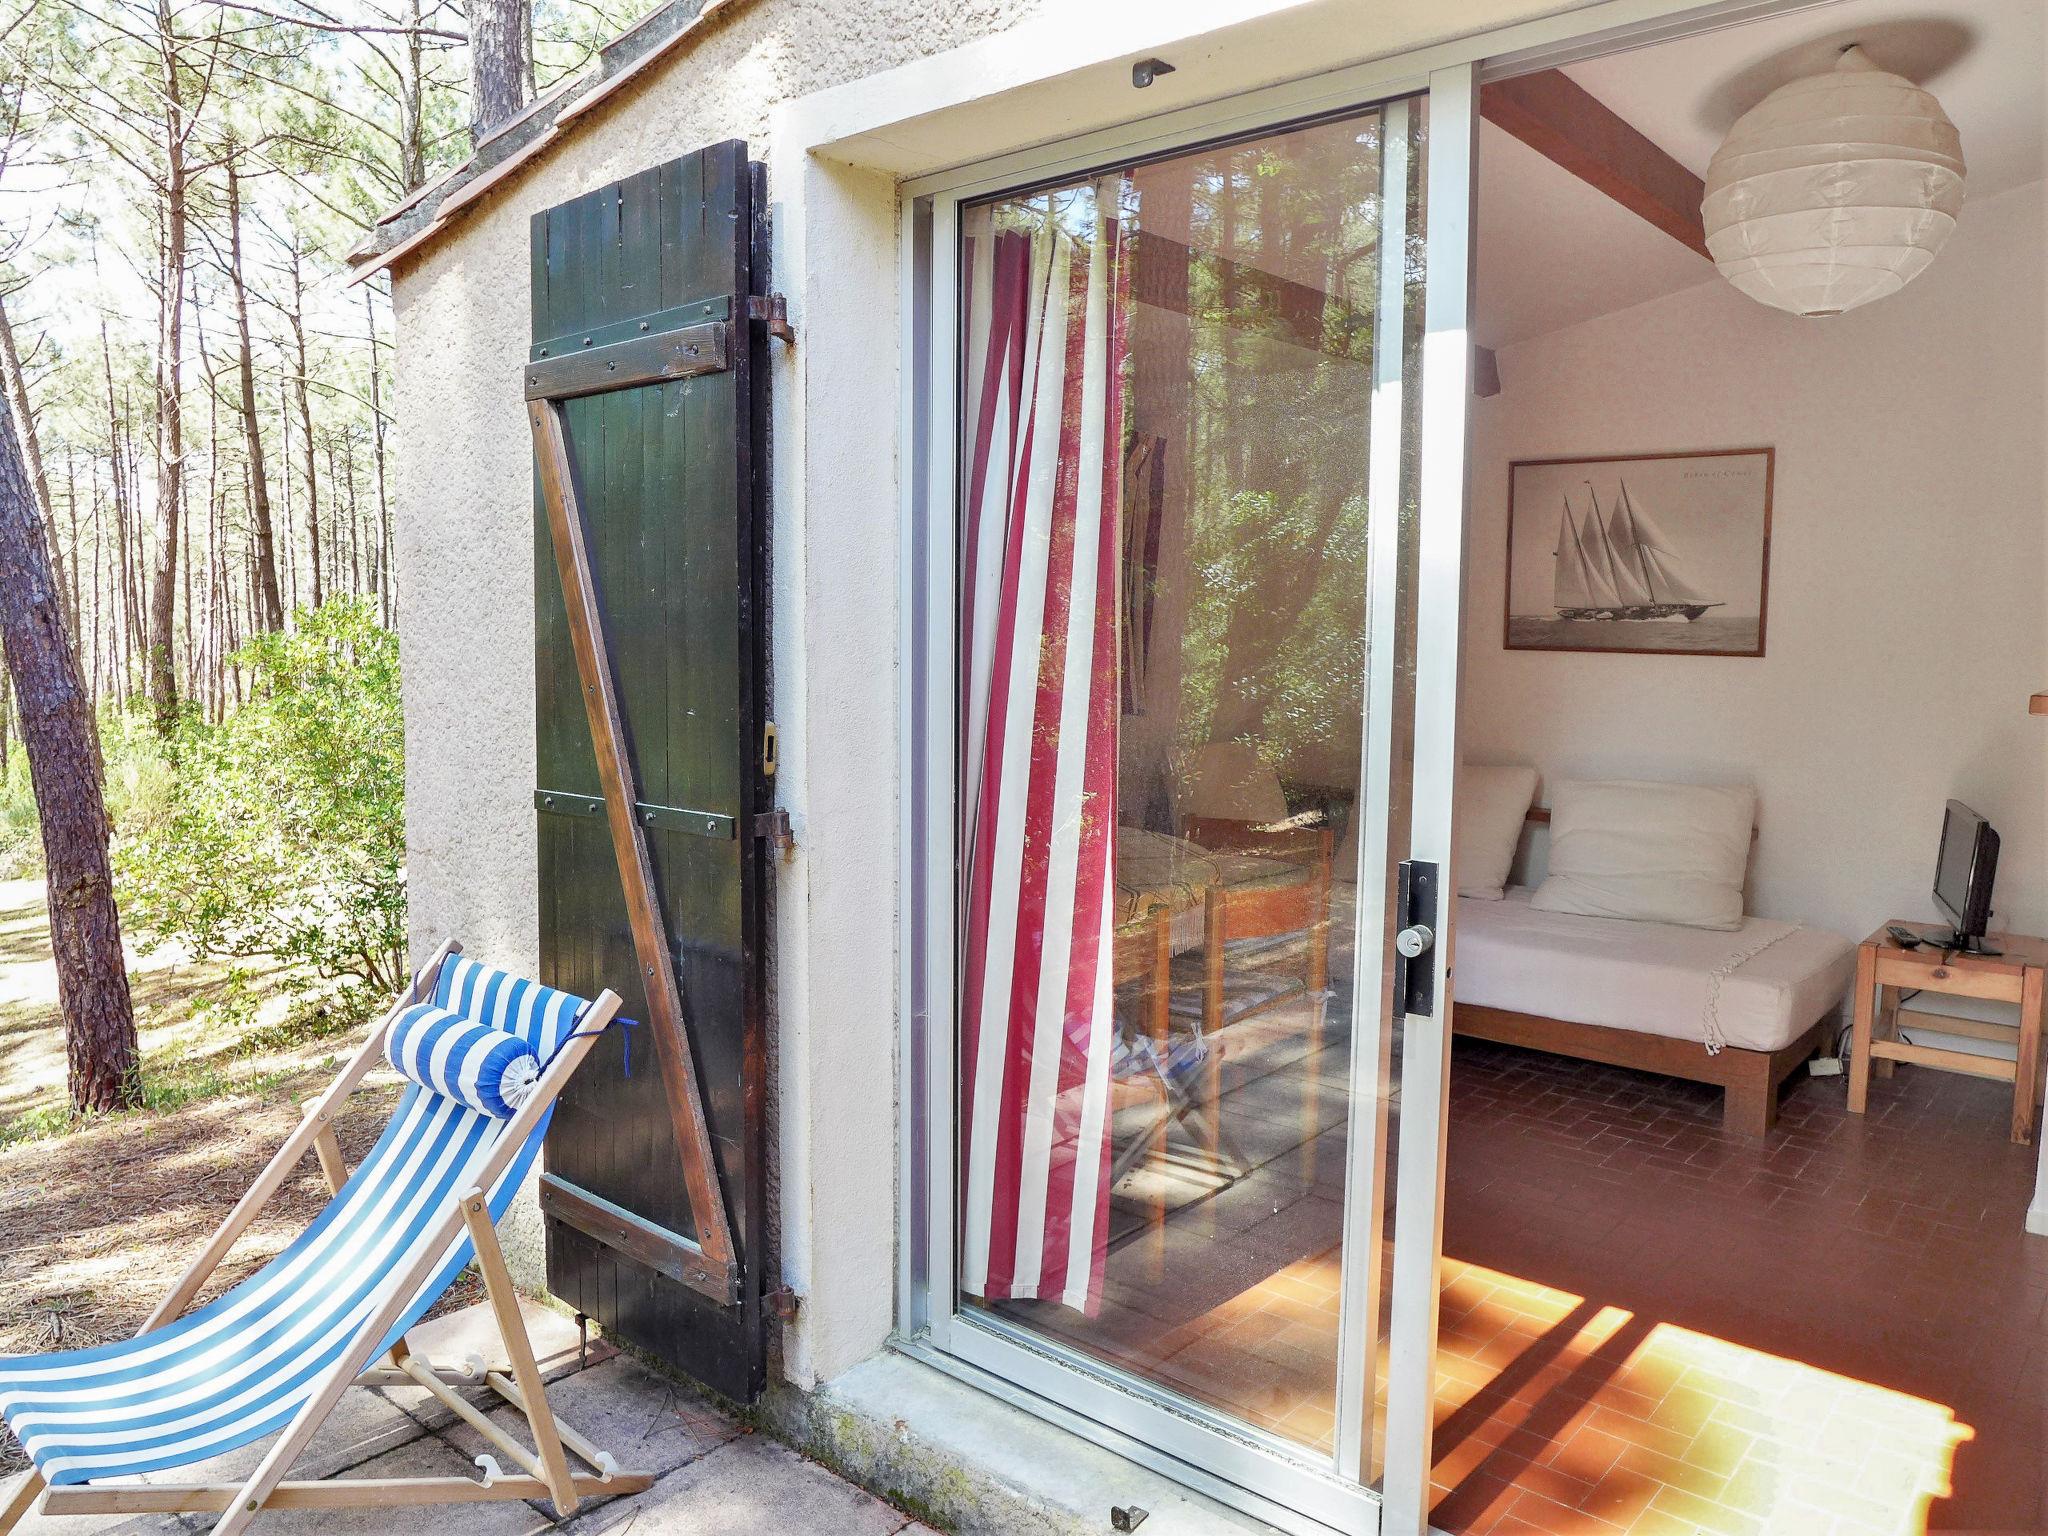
pixel 1834 190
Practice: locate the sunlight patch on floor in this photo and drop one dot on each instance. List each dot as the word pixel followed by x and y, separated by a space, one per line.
pixel 1560 1415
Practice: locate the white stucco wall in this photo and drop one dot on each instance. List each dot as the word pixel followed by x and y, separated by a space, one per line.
pixel 465 566
pixel 464 473
pixel 836 98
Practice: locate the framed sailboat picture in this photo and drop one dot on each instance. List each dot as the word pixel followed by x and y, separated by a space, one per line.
pixel 1645 552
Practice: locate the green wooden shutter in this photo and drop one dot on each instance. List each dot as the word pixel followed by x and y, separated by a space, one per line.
pixel 645 388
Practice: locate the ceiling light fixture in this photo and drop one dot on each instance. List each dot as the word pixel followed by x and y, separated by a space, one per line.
pixel 1834 190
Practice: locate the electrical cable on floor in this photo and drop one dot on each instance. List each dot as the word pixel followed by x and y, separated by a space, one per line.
pixel 1905 998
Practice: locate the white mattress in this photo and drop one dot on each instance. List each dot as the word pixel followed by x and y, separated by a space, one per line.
pixel 1652 977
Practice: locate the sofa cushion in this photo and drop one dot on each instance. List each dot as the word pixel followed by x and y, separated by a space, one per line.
pixel 1657 853
pixel 1493 803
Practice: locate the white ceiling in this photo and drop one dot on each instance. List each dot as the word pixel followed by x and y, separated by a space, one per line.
pixel 1984 59
pixel 1553 252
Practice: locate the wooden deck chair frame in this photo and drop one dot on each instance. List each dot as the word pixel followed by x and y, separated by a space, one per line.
pixel 543 1472
pixel 1300 906
pixel 1143 955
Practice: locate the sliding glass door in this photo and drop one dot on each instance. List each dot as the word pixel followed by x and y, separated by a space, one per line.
pixel 1188 719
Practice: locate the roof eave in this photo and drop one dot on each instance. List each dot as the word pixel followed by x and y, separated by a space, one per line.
pixel 429 211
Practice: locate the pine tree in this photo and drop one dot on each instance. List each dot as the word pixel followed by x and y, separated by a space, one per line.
pixel 57 734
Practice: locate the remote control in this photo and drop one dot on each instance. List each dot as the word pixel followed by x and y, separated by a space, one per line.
pixel 1903 936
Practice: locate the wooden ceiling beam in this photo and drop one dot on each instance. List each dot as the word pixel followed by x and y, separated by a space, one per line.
pixel 1564 122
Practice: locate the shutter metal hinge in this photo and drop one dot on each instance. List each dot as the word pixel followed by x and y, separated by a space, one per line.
pixel 782 1303
pixel 773 308
pixel 773 828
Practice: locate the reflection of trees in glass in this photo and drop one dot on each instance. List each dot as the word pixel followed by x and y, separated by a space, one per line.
pixel 1278 244
pixel 1253 283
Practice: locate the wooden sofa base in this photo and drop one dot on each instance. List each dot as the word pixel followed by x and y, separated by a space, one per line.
pixel 1751 1078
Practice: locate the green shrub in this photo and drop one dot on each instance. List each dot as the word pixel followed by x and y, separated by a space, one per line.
pixel 282 829
pixel 137 784
pixel 21 847
pixel 138 777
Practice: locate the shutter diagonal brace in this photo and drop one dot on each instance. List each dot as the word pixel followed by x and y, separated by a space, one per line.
pixel 719 1277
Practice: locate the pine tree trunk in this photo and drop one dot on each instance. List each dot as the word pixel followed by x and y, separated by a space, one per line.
pixel 500 64
pixel 170 425
pixel 56 730
pixel 101 641
pixel 270 601
pixel 382 564
pixel 291 537
pixel 39 486
pixel 32 458
pixel 412 96
pixel 71 512
pixel 353 521
pixel 170 438
pixel 191 665
pixel 117 568
pixel 298 320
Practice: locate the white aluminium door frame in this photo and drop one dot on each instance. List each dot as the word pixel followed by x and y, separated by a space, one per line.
pixel 1372 1065
pixel 1426 1041
pixel 1263 1473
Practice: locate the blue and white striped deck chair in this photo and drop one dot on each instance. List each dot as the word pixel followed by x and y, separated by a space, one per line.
pixel 277 1351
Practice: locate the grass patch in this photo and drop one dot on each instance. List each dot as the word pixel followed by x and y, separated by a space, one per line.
pixel 180 1085
pixel 38 1124
pixel 310 1019
pixel 243 1034
pixel 173 1079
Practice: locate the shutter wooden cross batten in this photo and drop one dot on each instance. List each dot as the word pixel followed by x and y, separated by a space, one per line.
pixel 645 395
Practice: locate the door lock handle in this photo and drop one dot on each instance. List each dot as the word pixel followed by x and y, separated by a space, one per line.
pixel 1415 910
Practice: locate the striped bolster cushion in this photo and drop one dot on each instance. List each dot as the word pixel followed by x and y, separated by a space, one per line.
pixel 463 1060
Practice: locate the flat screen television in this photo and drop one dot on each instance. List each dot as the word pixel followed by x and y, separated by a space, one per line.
pixel 1963 873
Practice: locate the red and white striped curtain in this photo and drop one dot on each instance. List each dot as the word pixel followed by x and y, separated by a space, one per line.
pixel 1046 302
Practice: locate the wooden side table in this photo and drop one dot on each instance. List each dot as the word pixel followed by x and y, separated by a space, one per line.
pixel 1884 970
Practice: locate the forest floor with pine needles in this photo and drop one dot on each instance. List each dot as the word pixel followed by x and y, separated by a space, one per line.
pixel 100 1215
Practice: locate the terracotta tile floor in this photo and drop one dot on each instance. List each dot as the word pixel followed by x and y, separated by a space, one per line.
pixel 1225 1288
pixel 1648 1326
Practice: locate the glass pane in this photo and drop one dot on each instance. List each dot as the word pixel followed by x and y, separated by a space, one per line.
pixel 1167 392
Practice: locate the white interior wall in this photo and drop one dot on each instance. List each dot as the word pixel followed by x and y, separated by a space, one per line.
pixel 1907 620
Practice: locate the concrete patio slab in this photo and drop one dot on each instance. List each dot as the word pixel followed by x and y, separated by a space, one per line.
pixel 428 1456
pixel 454 1336
pixel 746 1487
pixel 648 1422
pixel 716 1476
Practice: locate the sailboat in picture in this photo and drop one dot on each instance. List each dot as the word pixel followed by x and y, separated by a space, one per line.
pixel 1618 564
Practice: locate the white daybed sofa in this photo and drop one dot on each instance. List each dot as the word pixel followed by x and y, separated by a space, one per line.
pixel 1635 949
pixel 1742 1009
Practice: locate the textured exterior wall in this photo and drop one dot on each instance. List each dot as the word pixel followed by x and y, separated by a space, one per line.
pixel 465 567
pixel 464 478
